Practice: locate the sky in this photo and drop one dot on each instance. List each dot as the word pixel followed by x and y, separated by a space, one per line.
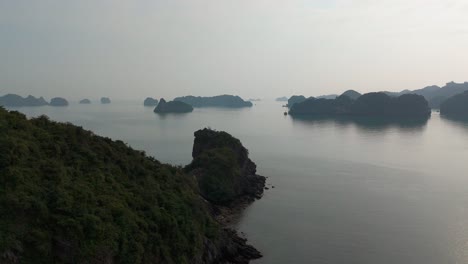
pixel 253 48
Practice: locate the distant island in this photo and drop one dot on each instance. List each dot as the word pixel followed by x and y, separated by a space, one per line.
pixel 352 94
pixel 370 104
pixel 434 94
pixel 295 99
pixel 76 197
pixel 105 100
pixel 85 101
pixel 172 107
pixel 14 100
pixel 456 106
pixel 327 96
pixel 230 101
pixel 281 99
pixel 150 102
pixel 58 101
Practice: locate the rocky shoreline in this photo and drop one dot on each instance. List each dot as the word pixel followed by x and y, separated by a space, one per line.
pixel 234 248
pixel 245 186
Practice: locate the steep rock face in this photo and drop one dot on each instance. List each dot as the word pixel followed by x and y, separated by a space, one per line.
pixel 150 102
pixel 58 101
pixel 225 100
pixel 13 100
pixel 223 168
pixel 172 107
pixel 456 106
pixel 105 100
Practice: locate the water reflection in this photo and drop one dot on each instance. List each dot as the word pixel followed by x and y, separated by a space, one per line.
pixel 459 121
pixel 366 123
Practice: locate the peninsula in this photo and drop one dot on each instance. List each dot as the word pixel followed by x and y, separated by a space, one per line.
pixel 81 198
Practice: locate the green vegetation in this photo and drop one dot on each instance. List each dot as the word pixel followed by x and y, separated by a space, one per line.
pixel 219 174
pixel 69 196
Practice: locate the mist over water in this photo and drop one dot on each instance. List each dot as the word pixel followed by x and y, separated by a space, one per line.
pixel 346 190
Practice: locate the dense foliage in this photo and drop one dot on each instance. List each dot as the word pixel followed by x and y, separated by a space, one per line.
pixel 214 101
pixel 218 172
pixel 456 106
pixel 69 196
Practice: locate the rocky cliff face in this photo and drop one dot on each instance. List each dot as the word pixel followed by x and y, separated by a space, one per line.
pixel 239 173
pixel 228 180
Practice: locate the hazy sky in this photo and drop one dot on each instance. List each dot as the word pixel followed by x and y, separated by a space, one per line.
pixel 253 48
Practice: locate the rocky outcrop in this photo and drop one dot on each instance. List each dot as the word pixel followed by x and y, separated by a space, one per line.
pixel 229 101
pixel 105 100
pixel 230 249
pixel 58 101
pixel 13 100
pixel 85 101
pixel 172 107
pixel 238 173
pixel 150 102
pixel 228 180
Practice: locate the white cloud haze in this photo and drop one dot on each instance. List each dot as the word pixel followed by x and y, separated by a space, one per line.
pixel 253 48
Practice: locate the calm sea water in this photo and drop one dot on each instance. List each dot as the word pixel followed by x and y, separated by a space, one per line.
pixel 346 191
